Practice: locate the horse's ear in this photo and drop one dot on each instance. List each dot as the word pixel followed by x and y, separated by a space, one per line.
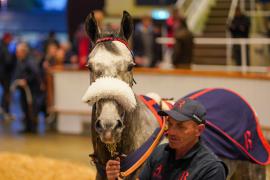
pixel 126 25
pixel 91 27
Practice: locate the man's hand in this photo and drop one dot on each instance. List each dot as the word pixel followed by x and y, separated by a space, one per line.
pixel 113 169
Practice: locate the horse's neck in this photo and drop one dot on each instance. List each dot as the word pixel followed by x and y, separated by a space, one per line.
pixel 140 124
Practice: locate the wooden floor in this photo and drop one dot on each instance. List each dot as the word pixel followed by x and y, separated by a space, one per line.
pixel 72 148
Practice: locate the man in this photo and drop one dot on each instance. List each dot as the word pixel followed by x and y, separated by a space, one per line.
pixel 6 67
pixel 183 47
pixel 239 28
pixel 26 74
pixel 184 157
pixel 146 51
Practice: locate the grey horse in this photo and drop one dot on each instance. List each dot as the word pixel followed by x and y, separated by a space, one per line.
pixel 115 128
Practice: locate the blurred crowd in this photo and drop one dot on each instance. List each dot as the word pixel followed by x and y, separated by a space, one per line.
pixel 22 66
pixel 24 69
pixel 148 53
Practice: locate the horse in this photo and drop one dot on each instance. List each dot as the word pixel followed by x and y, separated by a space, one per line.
pixel 117 128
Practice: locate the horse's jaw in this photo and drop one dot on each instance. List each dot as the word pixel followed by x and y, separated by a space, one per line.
pixel 110 147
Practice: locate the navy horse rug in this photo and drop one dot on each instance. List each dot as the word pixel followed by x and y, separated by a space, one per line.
pixel 232 127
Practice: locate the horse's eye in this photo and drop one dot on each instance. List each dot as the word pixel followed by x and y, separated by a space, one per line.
pixel 89 66
pixel 130 66
pixel 98 73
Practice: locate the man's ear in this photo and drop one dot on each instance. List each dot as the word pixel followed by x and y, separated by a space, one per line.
pixel 201 128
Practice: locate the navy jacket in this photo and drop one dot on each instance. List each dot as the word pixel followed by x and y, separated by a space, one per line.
pixel 28 70
pixel 198 164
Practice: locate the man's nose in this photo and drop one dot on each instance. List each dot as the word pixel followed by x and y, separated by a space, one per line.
pixel 171 131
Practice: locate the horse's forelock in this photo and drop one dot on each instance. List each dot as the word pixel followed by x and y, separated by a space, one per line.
pixel 107 45
pixel 118 50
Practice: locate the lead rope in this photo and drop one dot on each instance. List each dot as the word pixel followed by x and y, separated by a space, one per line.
pixel 112 149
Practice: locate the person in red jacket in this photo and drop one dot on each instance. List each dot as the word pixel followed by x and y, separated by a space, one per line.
pixel 82 41
pixel 171 26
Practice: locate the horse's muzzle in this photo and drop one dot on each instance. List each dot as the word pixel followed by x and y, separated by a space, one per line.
pixel 109 132
pixel 101 127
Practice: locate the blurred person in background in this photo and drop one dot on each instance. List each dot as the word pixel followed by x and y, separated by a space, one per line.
pixel 49 59
pixel 183 47
pixel 157 55
pixel 60 56
pixel 171 22
pixel 81 42
pixel 26 75
pixel 6 66
pixel 99 16
pixel 81 45
pixel 239 28
pixel 143 42
pixel 50 39
pixel 71 59
pixel 171 26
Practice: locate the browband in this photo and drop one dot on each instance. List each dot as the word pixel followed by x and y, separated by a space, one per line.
pixel 113 39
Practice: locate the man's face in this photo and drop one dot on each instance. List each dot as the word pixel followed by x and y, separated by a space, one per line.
pixel 21 51
pixel 146 21
pixel 183 134
pixel 52 50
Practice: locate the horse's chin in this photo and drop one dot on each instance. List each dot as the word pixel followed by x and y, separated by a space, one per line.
pixel 112 140
pixel 108 141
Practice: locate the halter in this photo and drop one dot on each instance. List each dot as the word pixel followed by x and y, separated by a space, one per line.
pixel 104 39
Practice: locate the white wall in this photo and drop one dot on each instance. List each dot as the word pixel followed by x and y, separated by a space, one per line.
pixel 69 86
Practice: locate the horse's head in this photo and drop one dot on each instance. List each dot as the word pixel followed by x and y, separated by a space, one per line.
pixel 110 58
pixel 110 55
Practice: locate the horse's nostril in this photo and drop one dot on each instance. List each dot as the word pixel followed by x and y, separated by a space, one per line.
pixel 98 125
pixel 119 124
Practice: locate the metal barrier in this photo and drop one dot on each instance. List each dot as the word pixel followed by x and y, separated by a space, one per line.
pixel 226 41
pixel 253 9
